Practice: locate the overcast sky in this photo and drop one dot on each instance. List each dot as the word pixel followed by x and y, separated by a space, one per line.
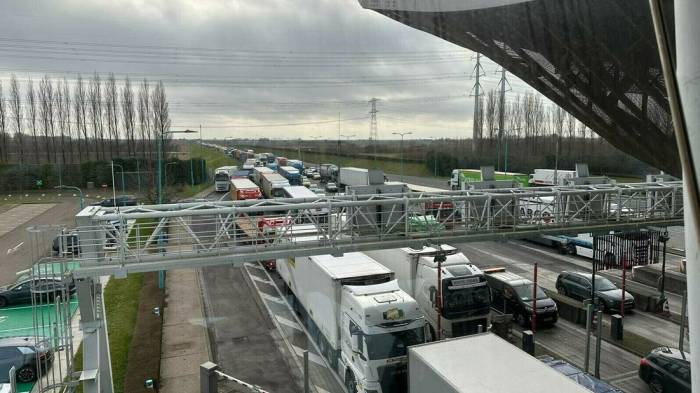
pixel 255 68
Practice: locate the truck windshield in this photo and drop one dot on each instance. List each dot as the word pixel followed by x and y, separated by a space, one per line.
pixel 221 177
pixel 277 193
pixel 391 345
pixel 465 301
pixel 525 292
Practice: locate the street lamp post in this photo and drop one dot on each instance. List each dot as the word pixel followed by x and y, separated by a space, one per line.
pixel 82 199
pixel 402 135
pixel 121 168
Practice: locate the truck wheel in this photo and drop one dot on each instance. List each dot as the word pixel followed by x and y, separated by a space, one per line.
pixel 521 320
pixel 571 248
pixel 350 383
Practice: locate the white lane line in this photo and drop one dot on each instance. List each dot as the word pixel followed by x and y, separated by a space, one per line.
pixel 256 278
pixel 312 356
pixel 287 322
pixel 253 265
pixel 223 196
pixel 271 298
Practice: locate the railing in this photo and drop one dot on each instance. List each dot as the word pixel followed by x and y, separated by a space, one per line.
pixel 145 238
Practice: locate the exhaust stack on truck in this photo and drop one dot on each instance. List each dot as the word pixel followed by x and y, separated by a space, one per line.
pixel 361 320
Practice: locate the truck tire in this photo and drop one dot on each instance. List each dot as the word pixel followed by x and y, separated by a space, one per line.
pixel 350 383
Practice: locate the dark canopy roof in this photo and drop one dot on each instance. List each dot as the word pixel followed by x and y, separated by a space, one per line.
pixel 597 59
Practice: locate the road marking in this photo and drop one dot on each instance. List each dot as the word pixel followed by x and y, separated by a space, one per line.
pixel 312 356
pixel 287 322
pixel 256 278
pixel 272 298
pixel 320 389
pixel 14 249
pixel 223 196
pixel 623 377
pixel 254 265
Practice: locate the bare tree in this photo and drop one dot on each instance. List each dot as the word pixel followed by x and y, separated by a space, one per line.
pixel 111 97
pixel 94 97
pixel 570 130
pixel 490 113
pixel 31 117
pixel 16 114
pixel 61 119
pixel 144 108
pixel 3 126
pixel 128 118
pixel 80 111
pixel 66 118
pixel 46 113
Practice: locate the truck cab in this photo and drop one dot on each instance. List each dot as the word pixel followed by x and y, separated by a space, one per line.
pixel 379 323
pixel 466 298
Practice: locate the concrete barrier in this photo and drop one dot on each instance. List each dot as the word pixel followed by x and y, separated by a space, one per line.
pixel 650 275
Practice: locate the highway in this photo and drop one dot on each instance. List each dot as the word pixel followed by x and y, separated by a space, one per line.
pixel 260 329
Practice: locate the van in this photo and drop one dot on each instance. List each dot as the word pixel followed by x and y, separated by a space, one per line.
pixel 512 294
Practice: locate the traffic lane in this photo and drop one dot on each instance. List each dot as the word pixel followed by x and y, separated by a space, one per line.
pixel 245 341
pixel 25 250
pixel 519 258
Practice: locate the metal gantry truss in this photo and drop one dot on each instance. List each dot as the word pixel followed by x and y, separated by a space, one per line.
pixel 161 237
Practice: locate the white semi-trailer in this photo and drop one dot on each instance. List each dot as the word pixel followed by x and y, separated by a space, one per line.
pixel 350 176
pixel 550 177
pixel 361 320
pixel 466 299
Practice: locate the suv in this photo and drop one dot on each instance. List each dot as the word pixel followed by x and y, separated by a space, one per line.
pixel 666 370
pixel 23 353
pixel 512 294
pixel 578 286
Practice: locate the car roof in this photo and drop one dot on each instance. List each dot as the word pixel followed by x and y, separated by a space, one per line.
pixel 671 353
pixel 510 278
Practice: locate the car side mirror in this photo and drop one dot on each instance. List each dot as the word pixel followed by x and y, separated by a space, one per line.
pixel 433 295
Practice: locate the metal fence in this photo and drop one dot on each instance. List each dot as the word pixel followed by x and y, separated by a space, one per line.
pixel 158 237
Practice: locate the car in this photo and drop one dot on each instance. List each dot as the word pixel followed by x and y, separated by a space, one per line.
pixel 306 183
pixel 23 353
pixel 577 285
pixel 122 200
pixel 21 291
pixel 317 176
pixel 70 244
pixel 666 370
pixel 331 187
pixel 512 294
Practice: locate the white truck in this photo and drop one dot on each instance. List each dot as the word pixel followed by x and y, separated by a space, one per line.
pixel 483 363
pixel 550 177
pixel 361 320
pixel 466 299
pixel 222 177
pixel 273 184
pixel 350 176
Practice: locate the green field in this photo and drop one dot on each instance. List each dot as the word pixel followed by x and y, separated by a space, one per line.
pixel 475 175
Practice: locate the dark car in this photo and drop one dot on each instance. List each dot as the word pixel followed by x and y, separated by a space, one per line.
pixel 578 286
pixel 122 200
pixel 21 291
pixel 666 370
pixel 66 243
pixel 512 294
pixel 23 353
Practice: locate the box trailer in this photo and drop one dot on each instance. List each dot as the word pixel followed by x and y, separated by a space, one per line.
pixel 350 176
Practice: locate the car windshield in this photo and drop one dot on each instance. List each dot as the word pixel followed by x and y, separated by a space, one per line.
pixel 391 345
pixel 525 292
pixel 603 284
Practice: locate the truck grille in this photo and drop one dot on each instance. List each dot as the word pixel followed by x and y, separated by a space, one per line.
pixel 468 327
pixel 393 378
